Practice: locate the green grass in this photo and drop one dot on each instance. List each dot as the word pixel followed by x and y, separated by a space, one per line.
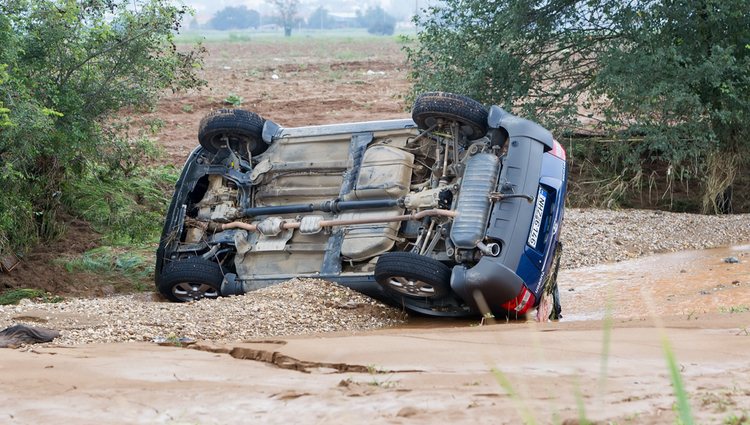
pixel 581 407
pixel 126 210
pixel 682 401
pixel 743 419
pixel 13 296
pixel 523 410
pixel 132 264
pixel 107 259
pixel 684 413
pixel 734 309
pixel 606 343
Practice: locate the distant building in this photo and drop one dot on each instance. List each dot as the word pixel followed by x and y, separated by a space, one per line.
pixel 343 20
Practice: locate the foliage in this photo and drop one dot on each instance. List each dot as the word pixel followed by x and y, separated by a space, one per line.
pixel 234 100
pixel 680 392
pixel 66 68
pixel 320 19
pixel 377 21
pixel 125 209
pixel 107 259
pixel 235 17
pixel 125 269
pixel 287 10
pixel 675 76
pixel 13 296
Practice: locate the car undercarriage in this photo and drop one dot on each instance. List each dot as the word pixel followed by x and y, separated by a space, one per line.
pixel 442 213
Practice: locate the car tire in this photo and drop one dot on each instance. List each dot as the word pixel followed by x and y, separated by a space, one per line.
pixel 471 115
pixel 412 275
pixel 243 129
pixel 191 279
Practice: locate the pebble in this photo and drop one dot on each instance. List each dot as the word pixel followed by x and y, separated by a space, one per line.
pixel 295 307
pixel 313 306
pixel 594 236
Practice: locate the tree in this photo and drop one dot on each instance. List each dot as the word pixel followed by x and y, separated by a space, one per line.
pixel 235 17
pixel 671 78
pixel 66 68
pixel 287 10
pixel 377 21
pixel 319 19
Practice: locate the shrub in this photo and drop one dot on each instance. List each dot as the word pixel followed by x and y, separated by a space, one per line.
pixel 66 68
pixel 674 75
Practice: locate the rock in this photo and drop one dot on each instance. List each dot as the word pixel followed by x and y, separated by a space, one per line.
pixel 407 412
pixel 731 260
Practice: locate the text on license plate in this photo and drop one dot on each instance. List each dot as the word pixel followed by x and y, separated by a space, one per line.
pixel 536 222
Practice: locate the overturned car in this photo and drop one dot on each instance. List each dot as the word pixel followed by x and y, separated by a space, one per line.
pixel 454 212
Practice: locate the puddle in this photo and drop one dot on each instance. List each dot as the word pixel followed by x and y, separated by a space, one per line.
pixel 686 282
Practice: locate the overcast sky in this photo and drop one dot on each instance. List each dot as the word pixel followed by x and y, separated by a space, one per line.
pixel 402 9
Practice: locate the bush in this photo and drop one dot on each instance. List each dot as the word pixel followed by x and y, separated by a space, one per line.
pixel 65 69
pixel 674 75
pixel 377 21
pixel 126 210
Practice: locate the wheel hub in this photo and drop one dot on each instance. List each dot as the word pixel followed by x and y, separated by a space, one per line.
pixel 187 291
pixel 412 287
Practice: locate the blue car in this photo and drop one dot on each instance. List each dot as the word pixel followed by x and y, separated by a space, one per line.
pixel 455 212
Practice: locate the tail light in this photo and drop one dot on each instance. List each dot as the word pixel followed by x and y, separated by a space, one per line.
pixel 557 150
pixel 522 303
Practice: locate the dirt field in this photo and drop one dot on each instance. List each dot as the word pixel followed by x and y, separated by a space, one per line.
pixel 430 371
pixel 293 82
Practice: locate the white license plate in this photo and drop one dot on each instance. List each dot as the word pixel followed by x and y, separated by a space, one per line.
pixel 536 223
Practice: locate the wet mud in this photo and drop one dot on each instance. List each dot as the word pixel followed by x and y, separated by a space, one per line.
pixel 680 283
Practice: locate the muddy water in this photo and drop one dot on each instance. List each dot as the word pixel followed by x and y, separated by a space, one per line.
pixel 678 283
pixel 681 283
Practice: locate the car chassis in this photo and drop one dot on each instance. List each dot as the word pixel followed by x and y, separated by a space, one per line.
pixel 454 212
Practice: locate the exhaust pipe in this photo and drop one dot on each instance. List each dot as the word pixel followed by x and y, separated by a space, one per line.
pixel 491 249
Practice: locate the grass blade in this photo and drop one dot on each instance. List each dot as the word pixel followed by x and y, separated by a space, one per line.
pixel 683 404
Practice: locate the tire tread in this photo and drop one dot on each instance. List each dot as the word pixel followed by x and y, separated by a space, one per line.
pixel 413 266
pixel 453 107
pixel 231 121
pixel 192 269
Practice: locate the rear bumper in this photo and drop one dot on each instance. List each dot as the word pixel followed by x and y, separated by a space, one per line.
pixel 526 231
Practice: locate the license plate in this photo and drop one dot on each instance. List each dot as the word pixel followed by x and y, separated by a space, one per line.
pixel 536 223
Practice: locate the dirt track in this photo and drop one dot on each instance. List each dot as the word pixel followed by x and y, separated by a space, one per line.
pixel 431 372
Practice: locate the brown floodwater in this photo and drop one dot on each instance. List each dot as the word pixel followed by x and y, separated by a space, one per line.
pixel 679 283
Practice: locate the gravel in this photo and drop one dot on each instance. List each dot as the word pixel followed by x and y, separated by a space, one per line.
pixel 295 307
pixel 593 236
pixel 309 306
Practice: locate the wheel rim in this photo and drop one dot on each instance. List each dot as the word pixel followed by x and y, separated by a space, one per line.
pixel 413 287
pixel 191 291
